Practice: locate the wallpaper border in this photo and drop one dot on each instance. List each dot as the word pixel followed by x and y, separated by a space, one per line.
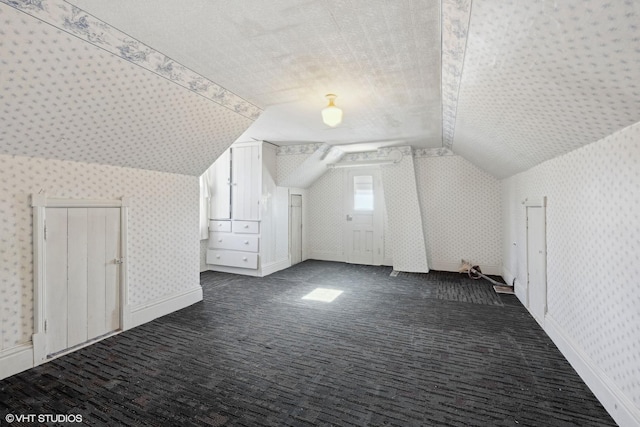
pixel 455 28
pixel 73 20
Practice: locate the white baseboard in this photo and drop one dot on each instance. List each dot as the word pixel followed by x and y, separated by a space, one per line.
pixel 619 406
pixel 15 360
pixel 520 289
pixel 275 266
pixel 327 256
pixel 507 276
pixel 147 312
pixel 234 270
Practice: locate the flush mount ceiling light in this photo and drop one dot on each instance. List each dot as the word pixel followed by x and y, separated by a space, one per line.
pixel 331 115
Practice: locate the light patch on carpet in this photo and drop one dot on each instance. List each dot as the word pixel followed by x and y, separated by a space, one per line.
pixel 322 294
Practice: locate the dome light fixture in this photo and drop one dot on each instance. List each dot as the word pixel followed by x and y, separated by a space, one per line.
pixel 331 115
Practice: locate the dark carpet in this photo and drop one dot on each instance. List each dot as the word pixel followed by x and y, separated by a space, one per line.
pixel 436 349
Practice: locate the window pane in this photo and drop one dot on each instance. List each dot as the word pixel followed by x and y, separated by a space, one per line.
pixel 363 193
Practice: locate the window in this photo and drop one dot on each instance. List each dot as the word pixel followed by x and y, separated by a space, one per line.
pixel 363 193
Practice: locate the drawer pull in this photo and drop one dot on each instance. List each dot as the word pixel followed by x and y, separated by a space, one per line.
pixel 244 258
pixel 219 224
pixel 219 240
pixel 246 226
pixel 217 256
pixel 246 242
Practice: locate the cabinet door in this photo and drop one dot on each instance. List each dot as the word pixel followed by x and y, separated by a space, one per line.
pixel 246 173
pixel 220 179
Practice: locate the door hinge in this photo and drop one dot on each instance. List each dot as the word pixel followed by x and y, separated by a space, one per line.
pixel 45 231
pixel 119 260
pixel 45 326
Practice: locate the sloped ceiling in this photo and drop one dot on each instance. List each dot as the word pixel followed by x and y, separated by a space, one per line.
pixel 382 59
pixel 69 91
pixel 543 78
pixel 505 84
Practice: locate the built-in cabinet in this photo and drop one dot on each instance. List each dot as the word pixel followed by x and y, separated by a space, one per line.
pixel 248 213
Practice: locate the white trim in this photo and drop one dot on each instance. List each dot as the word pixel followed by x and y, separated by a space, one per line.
pixel 147 312
pixel 38 338
pixel 540 203
pixel 619 406
pixel 39 203
pixel 234 270
pixel 81 203
pixel 15 360
pixel 125 312
pixel 507 276
pixel 275 266
pixel 82 345
pixel 327 256
pixel 519 290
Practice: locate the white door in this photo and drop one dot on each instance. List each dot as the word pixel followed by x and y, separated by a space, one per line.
pixel 246 172
pixel 296 228
pixel 220 182
pixel 536 262
pixel 363 237
pixel 82 289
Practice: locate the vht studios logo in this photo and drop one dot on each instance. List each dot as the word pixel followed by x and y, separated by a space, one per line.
pixel 43 418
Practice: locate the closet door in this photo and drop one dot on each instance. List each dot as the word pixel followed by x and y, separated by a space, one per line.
pixel 246 182
pixel 82 289
pixel 220 182
pixel 295 216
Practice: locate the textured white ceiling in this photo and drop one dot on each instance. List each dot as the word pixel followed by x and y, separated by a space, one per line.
pixel 543 78
pixel 506 84
pixel 382 59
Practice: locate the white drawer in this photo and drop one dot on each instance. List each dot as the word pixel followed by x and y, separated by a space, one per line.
pixel 233 241
pixel 252 227
pixel 232 258
pixel 219 225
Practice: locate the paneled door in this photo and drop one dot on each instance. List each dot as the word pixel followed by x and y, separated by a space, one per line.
pixel 296 228
pixel 220 186
pixel 363 236
pixel 536 262
pixel 246 183
pixel 82 289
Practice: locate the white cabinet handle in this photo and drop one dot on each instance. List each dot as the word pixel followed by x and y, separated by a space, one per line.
pixel 246 242
pixel 219 240
pixel 217 256
pixel 244 258
pixel 246 226
pixel 219 224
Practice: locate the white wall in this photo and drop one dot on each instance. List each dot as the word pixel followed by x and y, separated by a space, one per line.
pixel 593 261
pixel 405 232
pixel 461 213
pixel 163 233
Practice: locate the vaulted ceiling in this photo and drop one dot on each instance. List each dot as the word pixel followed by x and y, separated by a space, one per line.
pixel 168 84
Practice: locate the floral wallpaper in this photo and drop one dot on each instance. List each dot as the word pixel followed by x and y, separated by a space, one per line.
pixel 70 99
pixel 593 251
pixel 75 21
pixel 162 230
